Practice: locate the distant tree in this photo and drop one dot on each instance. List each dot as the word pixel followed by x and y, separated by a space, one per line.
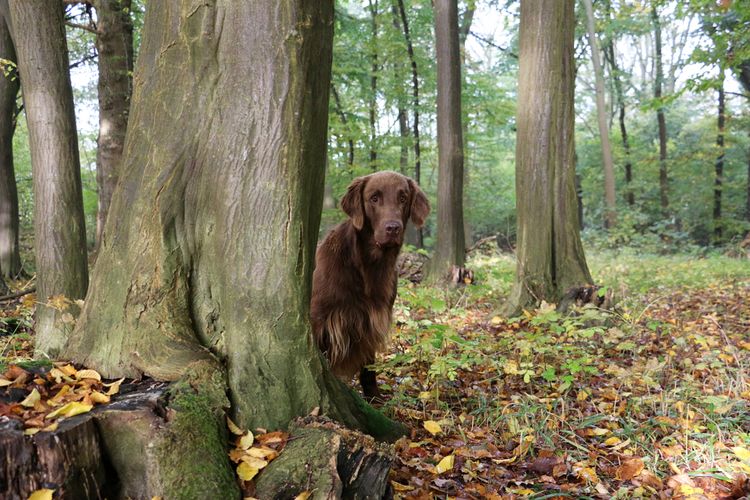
pixel 549 252
pixel 10 259
pixel 719 164
pixel 374 70
pixel 660 117
pixel 450 249
pixel 610 217
pixel 611 59
pixel 59 232
pixel 114 45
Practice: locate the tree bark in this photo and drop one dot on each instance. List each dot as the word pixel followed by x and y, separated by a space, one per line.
pixel 59 232
pixel 550 254
pixel 661 121
pixel 208 249
pixel 463 33
pixel 413 235
pixel 10 257
pixel 114 43
pixel 450 248
pixel 403 118
pixel 719 164
pixel 610 216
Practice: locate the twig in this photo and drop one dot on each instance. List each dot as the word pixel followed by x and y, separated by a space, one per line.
pixel 12 296
pixel 84 27
pixel 481 242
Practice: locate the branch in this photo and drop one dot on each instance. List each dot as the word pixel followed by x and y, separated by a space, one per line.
pixel 12 296
pixel 89 57
pixel 481 242
pixel 84 27
pixel 492 44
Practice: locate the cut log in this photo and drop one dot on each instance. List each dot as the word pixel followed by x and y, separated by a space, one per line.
pixel 329 460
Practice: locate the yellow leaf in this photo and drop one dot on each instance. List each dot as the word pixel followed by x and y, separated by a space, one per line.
pixel 255 463
pixel 70 410
pixel 742 453
pixel 4 382
pixel 233 428
pixel 587 474
pixel 496 320
pixel 511 368
pixel 100 398
pixel 54 400
pixel 114 387
pixel 246 472
pixel 303 496
pixel 597 431
pixel 68 369
pixel 51 427
pixel 262 452
pixel 445 464
pixel 612 441
pixel 31 431
pixel 31 399
pixel 88 374
pixel 401 487
pixel 43 494
pixel 432 427
pixel 425 395
pixel 246 441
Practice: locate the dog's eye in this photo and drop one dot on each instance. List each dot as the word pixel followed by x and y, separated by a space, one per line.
pixel 374 198
pixel 402 198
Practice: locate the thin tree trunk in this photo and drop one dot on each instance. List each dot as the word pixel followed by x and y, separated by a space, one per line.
pixel 403 118
pixel 550 254
pixel 418 240
pixel 719 165
pixel 661 121
pixel 629 194
pixel 450 247
pixel 342 116
pixel 610 217
pixel 463 33
pixel 374 68
pixel 114 43
pixel 10 258
pixel 59 232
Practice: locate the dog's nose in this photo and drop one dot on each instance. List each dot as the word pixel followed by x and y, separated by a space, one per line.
pixel 393 228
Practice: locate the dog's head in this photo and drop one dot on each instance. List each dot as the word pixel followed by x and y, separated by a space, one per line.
pixel 382 203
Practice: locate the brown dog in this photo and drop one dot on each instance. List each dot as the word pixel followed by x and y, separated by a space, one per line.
pixel 355 278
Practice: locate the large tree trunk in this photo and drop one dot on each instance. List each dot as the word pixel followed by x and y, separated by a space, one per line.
pixel 10 259
pixel 661 121
pixel 719 164
pixel 114 43
pixel 205 267
pixel 463 33
pixel 450 248
pixel 550 254
pixel 610 216
pixel 59 232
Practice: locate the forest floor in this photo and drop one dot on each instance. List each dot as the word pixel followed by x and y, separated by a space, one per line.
pixel 650 399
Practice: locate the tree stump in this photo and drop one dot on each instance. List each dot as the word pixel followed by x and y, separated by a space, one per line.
pixel 329 460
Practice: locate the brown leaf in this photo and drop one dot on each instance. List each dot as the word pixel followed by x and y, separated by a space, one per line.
pixel 629 468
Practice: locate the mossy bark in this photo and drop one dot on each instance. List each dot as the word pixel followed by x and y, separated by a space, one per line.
pixel 550 254
pixel 207 252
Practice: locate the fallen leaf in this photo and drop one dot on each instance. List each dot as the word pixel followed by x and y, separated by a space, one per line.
pixel 629 468
pixel 43 494
pixel 445 464
pixel 31 399
pixel 93 374
pixel 742 453
pixel 246 441
pixel 246 472
pixel 99 397
pixel 432 427
pixel 262 452
pixel 233 428
pixel 70 410
pixel 303 496
pixel 255 463
pixel 5 382
pixel 114 387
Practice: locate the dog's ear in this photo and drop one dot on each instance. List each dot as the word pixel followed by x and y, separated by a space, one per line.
pixel 351 203
pixel 420 205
